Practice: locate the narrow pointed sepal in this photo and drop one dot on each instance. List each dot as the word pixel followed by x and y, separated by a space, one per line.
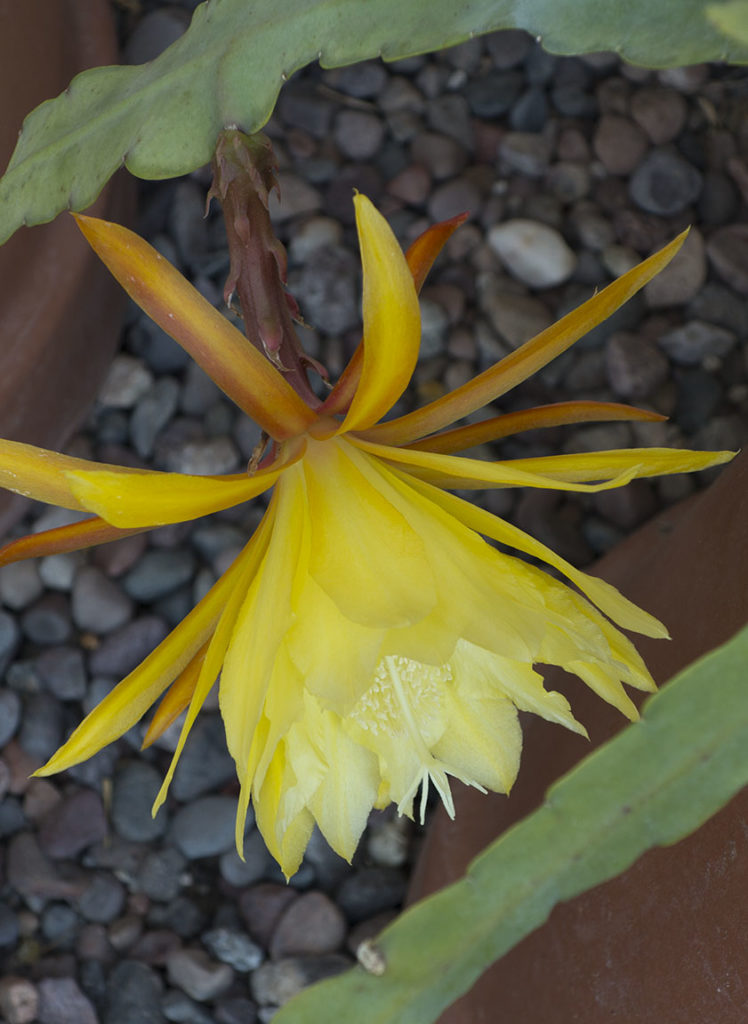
pixel 239 369
pixel 392 320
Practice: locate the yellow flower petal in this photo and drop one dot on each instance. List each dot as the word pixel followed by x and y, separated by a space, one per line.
pixel 641 462
pixel 131 698
pixel 286 824
pixel 557 414
pixel 348 776
pixel 153 498
pixel 479 671
pixel 602 594
pixel 420 258
pixel 246 566
pixel 41 474
pixel 239 369
pixel 264 617
pixel 527 359
pixel 392 320
pixel 175 700
pixel 482 741
pixel 460 472
pixel 352 521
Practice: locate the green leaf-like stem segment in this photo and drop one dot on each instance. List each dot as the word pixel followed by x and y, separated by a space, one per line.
pixel 651 785
pixel 162 119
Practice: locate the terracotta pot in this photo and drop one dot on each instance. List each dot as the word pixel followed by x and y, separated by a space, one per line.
pixel 665 942
pixel 60 310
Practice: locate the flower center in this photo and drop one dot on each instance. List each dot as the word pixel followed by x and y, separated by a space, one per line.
pixel 404 704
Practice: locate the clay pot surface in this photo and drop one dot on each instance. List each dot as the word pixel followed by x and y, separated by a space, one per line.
pixel 60 310
pixel 664 943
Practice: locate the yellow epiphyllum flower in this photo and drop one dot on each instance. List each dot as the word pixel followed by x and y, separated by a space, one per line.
pixel 369 641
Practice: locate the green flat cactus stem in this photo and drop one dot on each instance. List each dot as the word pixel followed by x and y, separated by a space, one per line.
pixel 162 119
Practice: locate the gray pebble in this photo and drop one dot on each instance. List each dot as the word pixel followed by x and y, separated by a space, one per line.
pixel 635 367
pixel 127 381
pixel 516 317
pixel 9 929
pixel 619 144
pixel 126 647
pixel 237 1010
pixel 156 347
pixel 99 605
pixel 12 818
pixel 660 112
pixel 187 224
pixel 62 1002
pixel 306 109
pixel 180 1008
pixel 574 101
pixel 532 252
pixel 19 1000
pixel 450 115
pixel 530 112
pixel 33 875
pixel 133 994
pixel 198 392
pixel 691 343
pixel 699 395
pixel 358 134
pixel 213 537
pixel 160 874
pixel 58 571
pixel 256 864
pixel 311 925
pixel 10 715
pixel 62 671
pixel 664 183
pixel 509 48
pixel 205 764
pixel 296 197
pixel 719 200
pixel 327 290
pixel 273 984
pixel 41 727
pixel 20 584
pixel 539 64
pixel 442 156
pixel 48 621
pixel 460 195
pixel 493 94
pixel 681 279
pixel 234 948
pixel 370 890
pixel 152 413
pixel 727 250
pixel 202 457
pixel 363 80
pixel 627 507
pixel 205 827
pixel 720 305
pixel 103 898
pixel 192 971
pixel 135 786
pixel 526 153
pixel 60 925
pixel 154 32
pixel 76 822
pixel 159 572
pixel 181 916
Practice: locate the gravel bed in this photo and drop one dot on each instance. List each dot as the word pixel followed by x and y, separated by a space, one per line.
pixel 572 170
